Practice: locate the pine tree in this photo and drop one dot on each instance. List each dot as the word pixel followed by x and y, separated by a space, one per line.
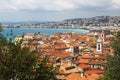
pixel 17 63
pixel 0 28
pixel 22 64
pixel 112 71
pixel 2 38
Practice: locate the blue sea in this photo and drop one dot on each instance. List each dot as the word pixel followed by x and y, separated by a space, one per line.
pixel 21 31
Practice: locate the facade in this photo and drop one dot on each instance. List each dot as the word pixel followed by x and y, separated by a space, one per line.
pixel 99 45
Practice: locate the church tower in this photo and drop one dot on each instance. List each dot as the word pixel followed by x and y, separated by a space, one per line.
pixel 99 45
pixel 102 35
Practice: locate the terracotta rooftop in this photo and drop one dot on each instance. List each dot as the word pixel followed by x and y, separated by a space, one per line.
pixel 84 61
pixel 94 77
pixel 83 66
pixel 74 44
pixel 75 76
pixel 34 42
pixel 62 72
pixel 70 40
pixel 87 57
pixel 97 62
pixel 89 72
pixel 60 46
pixel 102 57
pixel 62 54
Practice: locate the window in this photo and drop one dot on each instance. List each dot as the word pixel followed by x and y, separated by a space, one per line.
pixel 98 46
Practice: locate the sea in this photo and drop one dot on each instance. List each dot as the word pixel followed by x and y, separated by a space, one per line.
pixel 20 31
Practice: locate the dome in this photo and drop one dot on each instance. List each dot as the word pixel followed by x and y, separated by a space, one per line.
pixel 99 40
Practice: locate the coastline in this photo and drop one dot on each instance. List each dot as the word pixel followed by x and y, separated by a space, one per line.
pixel 47 31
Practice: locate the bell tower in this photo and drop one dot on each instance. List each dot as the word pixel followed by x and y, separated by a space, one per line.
pixel 99 45
pixel 102 35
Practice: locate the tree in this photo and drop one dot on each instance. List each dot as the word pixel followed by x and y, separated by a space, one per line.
pixel 17 63
pixel 22 64
pixel 0 28
pixel 112 71
pixel 2 39
pixel 45 70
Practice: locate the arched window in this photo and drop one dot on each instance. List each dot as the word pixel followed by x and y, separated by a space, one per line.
pixel 98 46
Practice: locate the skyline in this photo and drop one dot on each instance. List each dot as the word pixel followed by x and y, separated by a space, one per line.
pixel 57 10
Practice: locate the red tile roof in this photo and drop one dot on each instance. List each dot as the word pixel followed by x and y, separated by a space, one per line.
pixel 62 54
pixel 83 66
pixel 62 72
pixel 87 57
pixel 84 61
pixel 75 76
pixel 97 62
pixel 94 77
pixel 102 57
pixel 74 44
pixel 94 72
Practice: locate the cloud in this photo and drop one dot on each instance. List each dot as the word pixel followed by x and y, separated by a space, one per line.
pixel 57 5
pixel 116 4
pixel 4 4
pixel 40 4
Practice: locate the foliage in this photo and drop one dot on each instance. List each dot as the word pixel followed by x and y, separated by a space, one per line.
pixel 0 28
pixel 17 63
pixel 2 39
pixel 113 69
pixel 45 70
pixel 22 64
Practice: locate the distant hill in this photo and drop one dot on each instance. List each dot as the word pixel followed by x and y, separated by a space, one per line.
pixel 70 23
pixel 95 21
pixel 81 22
pixel 23 22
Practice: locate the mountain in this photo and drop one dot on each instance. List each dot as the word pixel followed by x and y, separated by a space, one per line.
pixel 23 22
pixel 81 22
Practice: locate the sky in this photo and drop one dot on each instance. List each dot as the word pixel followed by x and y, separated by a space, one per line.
pixel 56 10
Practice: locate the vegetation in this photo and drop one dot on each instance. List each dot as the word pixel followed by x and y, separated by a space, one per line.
pixel 21 64
pixel 112 71
pixel 0 28
pixel 2 39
